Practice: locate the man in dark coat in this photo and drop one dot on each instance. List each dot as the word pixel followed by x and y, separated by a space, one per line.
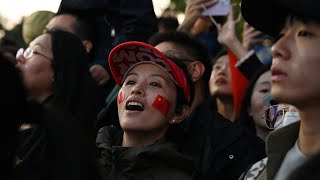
pixel 220 149
pixel 128 20
pixel 114 22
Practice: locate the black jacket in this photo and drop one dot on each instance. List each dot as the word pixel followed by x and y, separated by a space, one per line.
pixel 159 161
pixel 130 20
pixel 221 150
pixel 61 145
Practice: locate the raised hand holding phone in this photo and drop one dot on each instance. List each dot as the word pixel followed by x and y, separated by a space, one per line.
pixel 227 35
pixel 222 8
pixel 193 11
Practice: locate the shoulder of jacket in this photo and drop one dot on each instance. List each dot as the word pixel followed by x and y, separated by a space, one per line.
pixel 107 135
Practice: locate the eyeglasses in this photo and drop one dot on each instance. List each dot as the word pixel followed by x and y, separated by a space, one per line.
pixel 274 115
pixel 29 52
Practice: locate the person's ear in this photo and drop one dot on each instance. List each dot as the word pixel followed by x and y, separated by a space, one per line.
pixel 181 116
pixel 87 45
pixel 196 70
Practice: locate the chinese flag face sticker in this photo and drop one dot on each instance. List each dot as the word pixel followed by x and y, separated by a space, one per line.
pixel 161 104
pixel 120 97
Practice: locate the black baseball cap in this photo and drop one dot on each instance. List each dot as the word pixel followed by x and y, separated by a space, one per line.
pixel 269 16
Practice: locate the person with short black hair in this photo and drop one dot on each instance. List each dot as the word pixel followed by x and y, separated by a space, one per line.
pixel 167 24
pixel 220 149
pixel 83 28
pixel 295 65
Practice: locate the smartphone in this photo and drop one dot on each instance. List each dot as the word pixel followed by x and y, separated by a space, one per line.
pixel 222 8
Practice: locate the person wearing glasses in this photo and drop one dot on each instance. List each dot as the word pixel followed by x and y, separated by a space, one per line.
pixel 295 65
pixel 280 115
pixel 62 109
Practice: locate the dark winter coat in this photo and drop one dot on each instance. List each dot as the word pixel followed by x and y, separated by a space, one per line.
pixel 221 150
pixel 130 20
pixel 279 143
pixel 61 144
pixel 159 161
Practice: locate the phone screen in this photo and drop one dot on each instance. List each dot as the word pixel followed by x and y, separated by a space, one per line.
pixel 222 8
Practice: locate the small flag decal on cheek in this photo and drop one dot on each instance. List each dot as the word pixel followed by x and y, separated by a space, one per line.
pixel 161 104
pixel 120 97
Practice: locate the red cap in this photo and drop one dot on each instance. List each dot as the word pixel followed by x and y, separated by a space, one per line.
pixel 127 55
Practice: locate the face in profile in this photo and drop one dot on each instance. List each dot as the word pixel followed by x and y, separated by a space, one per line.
pixel 35 67
pixel 257 108
pixel 219 83
pixel 147 99
pixel 296 63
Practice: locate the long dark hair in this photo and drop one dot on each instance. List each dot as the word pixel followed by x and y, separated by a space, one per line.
pixel 244 117
pixel 73 85
pixel 13 111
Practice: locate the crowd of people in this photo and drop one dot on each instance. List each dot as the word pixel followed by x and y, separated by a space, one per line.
pixel 107 90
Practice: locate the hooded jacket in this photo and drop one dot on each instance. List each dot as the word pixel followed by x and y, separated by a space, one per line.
pixel 158 161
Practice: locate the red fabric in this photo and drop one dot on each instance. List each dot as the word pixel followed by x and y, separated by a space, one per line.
pixel 120 97
pixel 238 81
pixel 162 104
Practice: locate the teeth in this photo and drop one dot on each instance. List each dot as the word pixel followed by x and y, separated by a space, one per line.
pixel 134 104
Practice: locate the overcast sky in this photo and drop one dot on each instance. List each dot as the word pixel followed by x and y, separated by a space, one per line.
pixel 14 10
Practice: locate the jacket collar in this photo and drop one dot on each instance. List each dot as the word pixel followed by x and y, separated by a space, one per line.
pixel 279 143
pixel 224 132
pixel 141 156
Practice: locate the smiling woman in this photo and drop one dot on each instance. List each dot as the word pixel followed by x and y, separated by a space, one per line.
pixel 155 94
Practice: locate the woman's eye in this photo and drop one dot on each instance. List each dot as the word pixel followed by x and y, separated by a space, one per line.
pixel 216 67
pixel 35 52
pixel 304 33
pixel 264 91
pixel 129 82
pixel 155 84
pixel 36 49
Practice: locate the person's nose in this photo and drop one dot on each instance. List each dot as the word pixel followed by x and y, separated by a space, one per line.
pixel 281 49
pixel 19 57
pixel 21 60
pixel 138 89
pixel 223 70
